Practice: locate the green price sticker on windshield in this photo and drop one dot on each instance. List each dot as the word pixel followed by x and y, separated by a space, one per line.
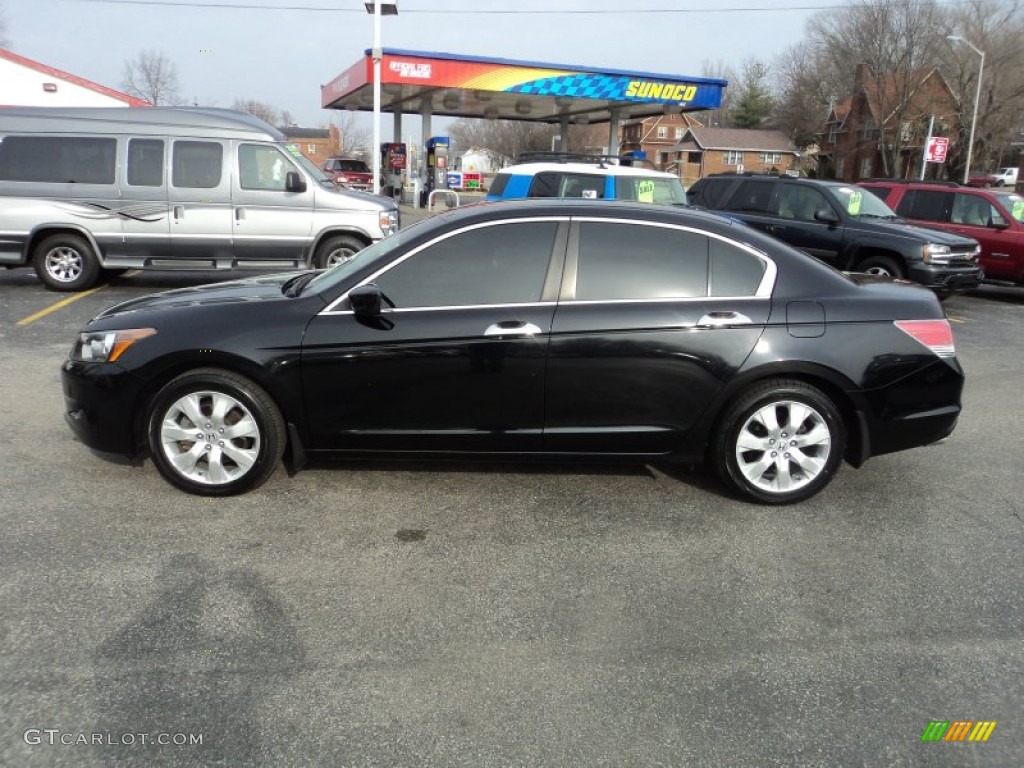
pixel 645 191
pixel 1018 210
pixel 853 207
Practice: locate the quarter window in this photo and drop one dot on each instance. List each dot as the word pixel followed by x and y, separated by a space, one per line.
pixel 197 164
pixel 632 261
pixel 146 162
pixel 734 272
pixel 58 159
pixel 502 264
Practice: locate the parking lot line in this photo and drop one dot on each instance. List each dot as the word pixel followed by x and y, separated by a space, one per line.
pixel 955 319
pixel 58 305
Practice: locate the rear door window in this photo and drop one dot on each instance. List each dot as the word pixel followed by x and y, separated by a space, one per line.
pixel 197 164
pixel 146 162
pixel 752 197
pixel 926 204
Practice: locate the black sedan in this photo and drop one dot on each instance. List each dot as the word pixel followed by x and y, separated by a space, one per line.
pixel 581 329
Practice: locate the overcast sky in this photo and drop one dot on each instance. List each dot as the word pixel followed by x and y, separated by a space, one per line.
pixel 280 51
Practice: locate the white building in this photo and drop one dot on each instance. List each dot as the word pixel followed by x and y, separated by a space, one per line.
pixel 27 83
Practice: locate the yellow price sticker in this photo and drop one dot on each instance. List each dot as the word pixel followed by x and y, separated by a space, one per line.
pixel 1018 210
pixel 645 191
pixel 853 207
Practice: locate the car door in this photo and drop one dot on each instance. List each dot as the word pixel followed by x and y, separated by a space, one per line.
pixel 269 222
pixel 794 221
pixel 145 217
pixel 200 199
pixel 652 321
pixel 750 201
pixel 458 363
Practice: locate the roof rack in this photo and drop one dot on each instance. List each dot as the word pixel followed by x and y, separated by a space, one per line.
pixel 581 157
pixel 935 182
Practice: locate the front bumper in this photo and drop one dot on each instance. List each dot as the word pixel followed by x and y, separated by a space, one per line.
pixel 100 404
pixel 947 279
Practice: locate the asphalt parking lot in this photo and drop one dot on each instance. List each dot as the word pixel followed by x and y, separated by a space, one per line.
pixel 395 614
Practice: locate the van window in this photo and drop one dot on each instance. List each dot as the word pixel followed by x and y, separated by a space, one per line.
pixel 197 164
pixel 146 162
pixel 58 159
pixel 261 167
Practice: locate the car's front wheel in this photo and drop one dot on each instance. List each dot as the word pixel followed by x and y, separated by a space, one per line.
pixel 885 266
pixel 780 442
pixel 215 433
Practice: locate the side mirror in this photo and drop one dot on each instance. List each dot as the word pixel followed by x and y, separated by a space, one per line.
pixel 293 182
pixel 365 300
pixel 826 215
pixel 999 224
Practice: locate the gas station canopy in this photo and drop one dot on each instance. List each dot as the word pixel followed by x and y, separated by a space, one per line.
pixel 414 82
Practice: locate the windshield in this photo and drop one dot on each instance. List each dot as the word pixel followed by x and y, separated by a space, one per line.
pixel 302 160
pixel 859 202
pixel 1014 204
pixel 658 190
pixel 355 166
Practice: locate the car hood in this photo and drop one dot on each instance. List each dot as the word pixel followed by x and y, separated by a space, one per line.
pixel 263 288
pixel 922 233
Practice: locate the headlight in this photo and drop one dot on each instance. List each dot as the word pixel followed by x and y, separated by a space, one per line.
pixel 107 346
pixel 935 254
pixel 389 222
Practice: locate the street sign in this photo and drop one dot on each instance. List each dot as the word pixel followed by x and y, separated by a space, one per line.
pixel 937 147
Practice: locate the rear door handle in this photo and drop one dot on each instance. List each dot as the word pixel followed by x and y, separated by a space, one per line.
pixel 513 329
pixel 721 319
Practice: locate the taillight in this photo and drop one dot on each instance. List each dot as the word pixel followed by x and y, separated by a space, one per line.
pixel 934 334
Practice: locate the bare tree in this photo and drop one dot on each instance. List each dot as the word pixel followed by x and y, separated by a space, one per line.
pixel 719 117
pixel 808 85
pixel 355 134
pixel 506 138
pixel 262 110
pixel 151 76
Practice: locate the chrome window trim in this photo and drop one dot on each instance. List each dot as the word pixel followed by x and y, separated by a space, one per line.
pixel 764 288
pixel 330 308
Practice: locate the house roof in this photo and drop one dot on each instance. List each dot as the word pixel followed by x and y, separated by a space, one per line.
pixel 293 132
pixel 131 101
pixel 886 94
pixel 746 139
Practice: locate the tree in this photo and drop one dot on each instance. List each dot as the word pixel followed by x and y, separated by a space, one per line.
pixel 152 77
pixel 262 110
pixel 808 86
pixel 355 135
pixel 719 117
pixel 506 138
pixel 754 104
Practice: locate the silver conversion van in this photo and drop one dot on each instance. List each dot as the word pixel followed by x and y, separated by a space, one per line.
pixel 85 191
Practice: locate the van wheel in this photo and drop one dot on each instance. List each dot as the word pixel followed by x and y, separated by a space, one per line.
pixel 66 263
pixel 337 250
pixel 881 265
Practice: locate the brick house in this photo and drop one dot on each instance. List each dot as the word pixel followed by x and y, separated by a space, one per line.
pixel 702 151
pixel 880 129
pixel 317 144
pixel 653 135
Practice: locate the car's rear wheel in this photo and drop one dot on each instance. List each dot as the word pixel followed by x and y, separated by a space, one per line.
pixel 66 262
pixel 885 266
pixel 337 250
pixel 215 433
pixel 780 442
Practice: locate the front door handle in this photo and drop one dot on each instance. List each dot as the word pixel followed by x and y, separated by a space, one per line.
pixel 239 213
pixel 179 212
pixel 512 329
pixel 721 319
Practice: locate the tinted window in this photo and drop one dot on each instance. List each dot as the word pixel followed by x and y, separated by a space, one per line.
pixel 545 185
pixel 146 162
pixel 582 185
pixel 197 164
pixel 261 167
pixel 631 261
pixel 503 264
pixel 925 204
pixel 656 190
pixel 499 184
pixel 713 192
pixel 799 202
pixel 751 196
pixel 61 159
pixel 734 272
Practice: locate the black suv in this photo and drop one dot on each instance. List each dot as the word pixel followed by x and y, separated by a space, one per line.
pixel 845 226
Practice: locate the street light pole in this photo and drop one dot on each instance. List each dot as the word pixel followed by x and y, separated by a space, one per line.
pixel 377 8
pixel 977 98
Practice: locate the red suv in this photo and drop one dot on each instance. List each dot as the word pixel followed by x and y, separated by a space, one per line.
pixel 993 217
pixel 349 172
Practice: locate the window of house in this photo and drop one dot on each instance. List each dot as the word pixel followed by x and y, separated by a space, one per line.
pixel 693 157
pixel 662 132
pixel 840 167
pixel 867 165
pixel 502 264
pixel 197 164
pixel 771 158
pixel 733 157
pixel 832 134
pixel 311 149
pixel 679 133
pixel 630 261
pixel 146 162
pixel 58 159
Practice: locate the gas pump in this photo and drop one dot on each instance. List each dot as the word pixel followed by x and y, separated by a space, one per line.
pixel 392 163
pixel 437 165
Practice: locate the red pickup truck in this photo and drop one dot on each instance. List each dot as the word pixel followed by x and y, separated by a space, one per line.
pixel 349 172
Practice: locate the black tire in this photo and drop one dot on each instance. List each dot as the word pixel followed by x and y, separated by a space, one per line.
pixel 66 262
pixel 115 272
pixel 763 475
pixel 218 470
pixel 337 250
pixel 881 265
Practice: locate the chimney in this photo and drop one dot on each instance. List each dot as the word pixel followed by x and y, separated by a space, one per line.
pixel 860 76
